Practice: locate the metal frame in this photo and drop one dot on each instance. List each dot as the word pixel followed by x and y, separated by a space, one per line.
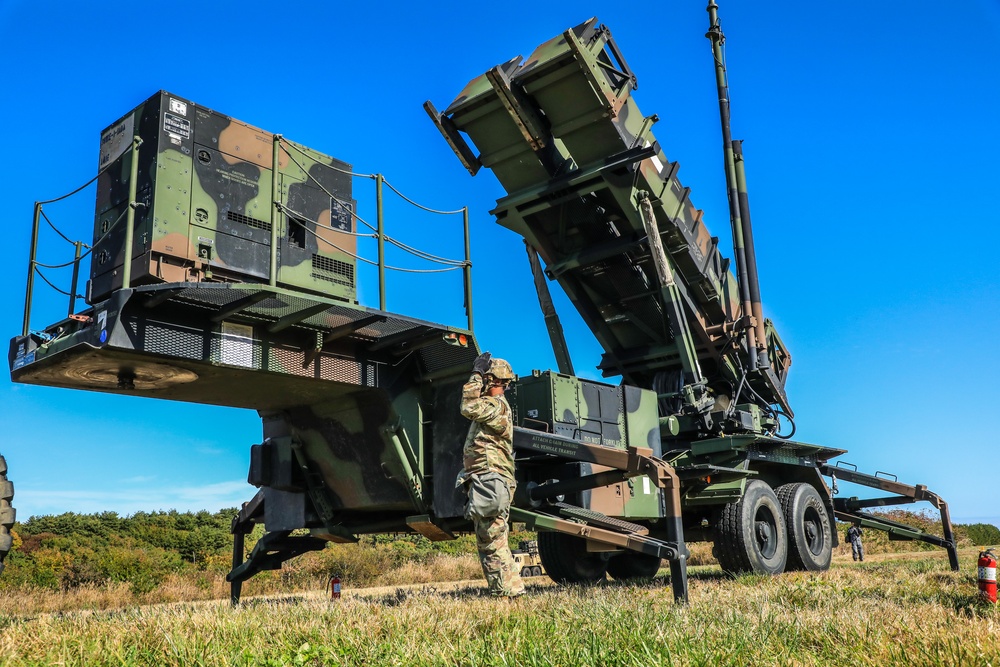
pixel 849 509
pixel 627 463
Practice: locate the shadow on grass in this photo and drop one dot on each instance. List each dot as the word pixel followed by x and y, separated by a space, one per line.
pixel 9 621
pixel 535 589
pixel 264 603
pixel 477 591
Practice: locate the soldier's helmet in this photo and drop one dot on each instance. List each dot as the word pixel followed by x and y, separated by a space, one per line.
pixel 501 370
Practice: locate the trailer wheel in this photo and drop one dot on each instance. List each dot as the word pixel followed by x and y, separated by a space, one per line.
pixel 810 537
pixel 632 565
pixel 566 559
pixel 750 534
pixel 536 570
pixel 7 512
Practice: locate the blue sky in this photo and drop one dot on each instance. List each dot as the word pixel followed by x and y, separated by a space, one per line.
pixel 870 134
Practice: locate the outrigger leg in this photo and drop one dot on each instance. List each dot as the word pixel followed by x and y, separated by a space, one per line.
pixel 849 509
pixel 271 550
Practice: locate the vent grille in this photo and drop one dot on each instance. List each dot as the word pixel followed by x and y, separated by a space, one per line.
pixel 441 356
pixel 333 270
pixel 340 369
pixel 248 221
pixel 166 339
pixel 288 361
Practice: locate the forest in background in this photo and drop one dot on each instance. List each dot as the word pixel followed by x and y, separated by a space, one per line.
pixel 147 550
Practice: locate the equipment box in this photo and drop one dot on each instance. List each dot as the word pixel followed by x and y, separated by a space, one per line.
pixel 592 412
pixel 205 212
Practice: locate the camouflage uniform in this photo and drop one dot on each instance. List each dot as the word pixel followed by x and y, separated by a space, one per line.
pixel 488 478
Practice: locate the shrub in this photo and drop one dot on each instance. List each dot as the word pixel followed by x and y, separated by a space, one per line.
pixel 983 534
pixel 48 566
pixel 83 570
pixel 142 569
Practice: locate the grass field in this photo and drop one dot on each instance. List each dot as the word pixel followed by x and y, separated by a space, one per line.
pixel 892 609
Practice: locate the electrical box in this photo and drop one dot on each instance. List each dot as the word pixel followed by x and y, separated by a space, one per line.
pixel 597 414
pixel 205 209
pixel 591 412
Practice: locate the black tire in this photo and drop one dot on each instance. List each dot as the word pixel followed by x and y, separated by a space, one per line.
pixel 567 560
pixel 7 512
pixel 632 565
pixel 750 534
pixel 810 532
pixel 536 571
pixel 525 571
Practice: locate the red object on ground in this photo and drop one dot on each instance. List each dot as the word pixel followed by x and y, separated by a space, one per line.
pixel 334 587
pixel 988 576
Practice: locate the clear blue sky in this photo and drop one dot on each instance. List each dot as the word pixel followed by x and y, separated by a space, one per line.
pixel 870 134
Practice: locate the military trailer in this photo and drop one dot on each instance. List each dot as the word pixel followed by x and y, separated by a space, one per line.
pixel 237 288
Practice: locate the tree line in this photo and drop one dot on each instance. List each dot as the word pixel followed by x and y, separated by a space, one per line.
pixel 69 550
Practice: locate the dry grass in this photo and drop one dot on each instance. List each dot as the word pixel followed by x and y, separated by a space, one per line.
pixel 212 586
pixel 885 612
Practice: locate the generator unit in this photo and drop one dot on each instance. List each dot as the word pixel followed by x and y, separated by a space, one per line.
pixel 208 209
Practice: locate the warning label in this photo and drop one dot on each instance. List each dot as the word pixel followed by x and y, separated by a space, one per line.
pixel 115 140
pixel 237 344
pixel 177 126
pixel 176 106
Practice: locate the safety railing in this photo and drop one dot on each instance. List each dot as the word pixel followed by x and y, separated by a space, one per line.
pixel 379 231
pixel 279 209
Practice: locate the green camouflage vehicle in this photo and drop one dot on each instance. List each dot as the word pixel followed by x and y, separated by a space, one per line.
pixel 595 197
pixel 238 289
pixel 7 513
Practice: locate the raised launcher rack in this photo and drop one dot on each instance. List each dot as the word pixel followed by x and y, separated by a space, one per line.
pixel 592 193
pixel 565 137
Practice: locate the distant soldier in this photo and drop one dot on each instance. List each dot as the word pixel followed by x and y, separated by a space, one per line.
pixel 488 476
pixel 854 537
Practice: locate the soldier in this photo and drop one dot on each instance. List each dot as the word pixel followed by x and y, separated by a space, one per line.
pixel 488 476
pixel 854 537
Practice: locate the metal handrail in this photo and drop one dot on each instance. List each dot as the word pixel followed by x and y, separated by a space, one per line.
pixel 277 210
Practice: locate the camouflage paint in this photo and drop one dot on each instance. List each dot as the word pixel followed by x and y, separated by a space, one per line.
pixel 346 442
pixel 205 185
pixel 359 407
pixel 615 417
pixel 576 205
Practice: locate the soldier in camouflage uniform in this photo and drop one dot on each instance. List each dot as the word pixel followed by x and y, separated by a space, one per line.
pixel 488 476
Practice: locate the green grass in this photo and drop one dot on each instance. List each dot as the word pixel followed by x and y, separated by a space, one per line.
pixel 906 610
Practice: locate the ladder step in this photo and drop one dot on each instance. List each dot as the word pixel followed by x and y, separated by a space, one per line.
pixel 426 527
pixel 600 520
